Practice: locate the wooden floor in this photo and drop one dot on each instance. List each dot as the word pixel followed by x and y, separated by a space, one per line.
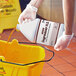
pixel 64 62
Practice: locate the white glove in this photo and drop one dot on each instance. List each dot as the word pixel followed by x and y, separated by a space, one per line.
pixel 63 42
pixel 28 14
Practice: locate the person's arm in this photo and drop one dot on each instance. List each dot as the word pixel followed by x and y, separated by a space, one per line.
pixel 36 3
pixel 68 11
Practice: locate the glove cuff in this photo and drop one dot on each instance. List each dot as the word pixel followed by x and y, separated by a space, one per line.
pixel 32 7
pixel 68 36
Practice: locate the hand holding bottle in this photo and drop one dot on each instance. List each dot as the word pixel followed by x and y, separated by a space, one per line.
pixel 28 14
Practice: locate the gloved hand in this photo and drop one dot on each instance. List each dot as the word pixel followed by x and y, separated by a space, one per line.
pixel 28 14
pixel 63 42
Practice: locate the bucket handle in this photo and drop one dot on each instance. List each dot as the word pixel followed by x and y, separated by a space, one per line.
pixel 28 43
pixel 31 62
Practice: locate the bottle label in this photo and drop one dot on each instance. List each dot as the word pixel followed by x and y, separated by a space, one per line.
pixel 47 32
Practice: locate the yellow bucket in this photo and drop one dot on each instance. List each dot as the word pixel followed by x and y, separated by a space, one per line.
pixel 9 13
pixel 15 59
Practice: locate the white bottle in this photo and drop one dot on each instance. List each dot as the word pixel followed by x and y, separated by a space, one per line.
pixel 29 29
pixel 41 31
